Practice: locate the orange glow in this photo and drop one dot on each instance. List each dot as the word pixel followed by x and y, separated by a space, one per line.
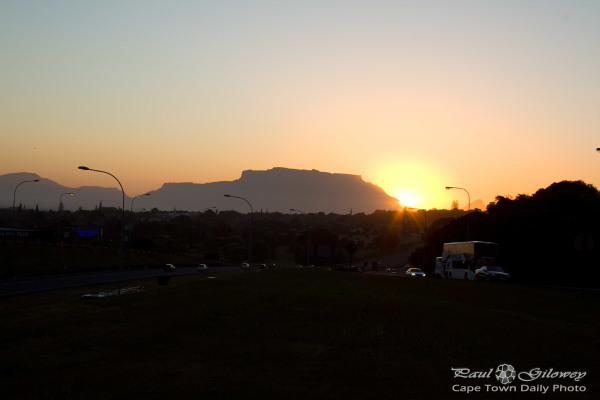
pixel 408 197
pixel 413 184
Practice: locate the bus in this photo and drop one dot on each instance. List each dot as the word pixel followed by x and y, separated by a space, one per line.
pixel 459 260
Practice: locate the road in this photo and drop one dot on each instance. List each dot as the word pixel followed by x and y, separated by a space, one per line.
pixel 21 287
pixel 37 285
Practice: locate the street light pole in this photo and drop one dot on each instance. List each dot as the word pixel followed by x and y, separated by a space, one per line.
pixel 60 209
pixel 15 196
pixel 132 200
pixel 308 234
pixel 468 207
pixel 60 199
pixel 12 224
pixel 251 212
pixel 122 220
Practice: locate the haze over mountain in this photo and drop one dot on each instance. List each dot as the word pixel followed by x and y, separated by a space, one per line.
pixel 274 190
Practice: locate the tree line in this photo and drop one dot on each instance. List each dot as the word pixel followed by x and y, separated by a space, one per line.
pixel 223 236
pixel 549 237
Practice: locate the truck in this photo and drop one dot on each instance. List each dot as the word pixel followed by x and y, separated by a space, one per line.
pixel 459 260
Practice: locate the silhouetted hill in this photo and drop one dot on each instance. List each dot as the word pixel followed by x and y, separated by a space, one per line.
pixel 46 194
pixel 478 204
pixel 277 189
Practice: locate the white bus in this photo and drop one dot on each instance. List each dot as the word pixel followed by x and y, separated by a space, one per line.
pixel 459 260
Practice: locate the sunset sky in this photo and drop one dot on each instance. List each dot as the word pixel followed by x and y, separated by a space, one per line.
pixel 498 97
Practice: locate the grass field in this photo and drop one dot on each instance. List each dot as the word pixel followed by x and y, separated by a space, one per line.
pixel 294 334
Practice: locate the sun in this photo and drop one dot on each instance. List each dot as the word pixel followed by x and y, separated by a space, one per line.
pixel 408 197
pixel 415 183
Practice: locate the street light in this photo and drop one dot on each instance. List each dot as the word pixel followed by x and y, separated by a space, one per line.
pixel 122 219
pixel 61 196
pixel 146 194
pixel 15 194
pixel 60 207
pixel 12 224
pixel 251 212
pixel 468 207
pixel 308 234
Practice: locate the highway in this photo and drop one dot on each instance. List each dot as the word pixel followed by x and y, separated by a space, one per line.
pixel 18 287
pixel 36 285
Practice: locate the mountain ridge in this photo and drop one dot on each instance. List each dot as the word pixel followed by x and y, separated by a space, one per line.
pixel 276 190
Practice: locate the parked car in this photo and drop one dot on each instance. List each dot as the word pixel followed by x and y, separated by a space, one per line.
pixel 202 268
pixel 169 267
pixel 491 273
pixel 245 266
pixel 415 272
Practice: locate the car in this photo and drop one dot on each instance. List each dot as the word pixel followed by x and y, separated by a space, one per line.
pixel 491 273
pixel 169 267
pixel 415 272
pixel 245 266
pixel 202 268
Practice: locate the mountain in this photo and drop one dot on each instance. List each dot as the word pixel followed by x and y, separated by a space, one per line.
pixel 47 194
pixel 478 204
pixel 274 190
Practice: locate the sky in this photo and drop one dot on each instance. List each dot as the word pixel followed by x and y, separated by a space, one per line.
pixel 495 97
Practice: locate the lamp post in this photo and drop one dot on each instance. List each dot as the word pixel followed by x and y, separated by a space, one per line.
pixel 60 199
pixel 12 223
pixel 122 220
pixel 468 207
pixel 60 209
pixel 251 212
pixel 15 195
pixel 308 234
pixel 139 195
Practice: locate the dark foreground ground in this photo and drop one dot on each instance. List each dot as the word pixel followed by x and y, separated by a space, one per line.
pixel 299 334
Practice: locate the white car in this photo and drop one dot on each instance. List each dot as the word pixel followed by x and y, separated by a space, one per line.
pixel 169 267
pixel 415 272
pixel 202 268
pixel 491 273
pixel 245 266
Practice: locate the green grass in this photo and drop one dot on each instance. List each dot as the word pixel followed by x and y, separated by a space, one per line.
pixel 291 334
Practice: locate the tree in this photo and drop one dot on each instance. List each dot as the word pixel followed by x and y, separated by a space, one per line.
pixel 552 236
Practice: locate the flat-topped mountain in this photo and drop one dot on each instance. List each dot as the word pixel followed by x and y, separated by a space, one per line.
pixel 274 190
